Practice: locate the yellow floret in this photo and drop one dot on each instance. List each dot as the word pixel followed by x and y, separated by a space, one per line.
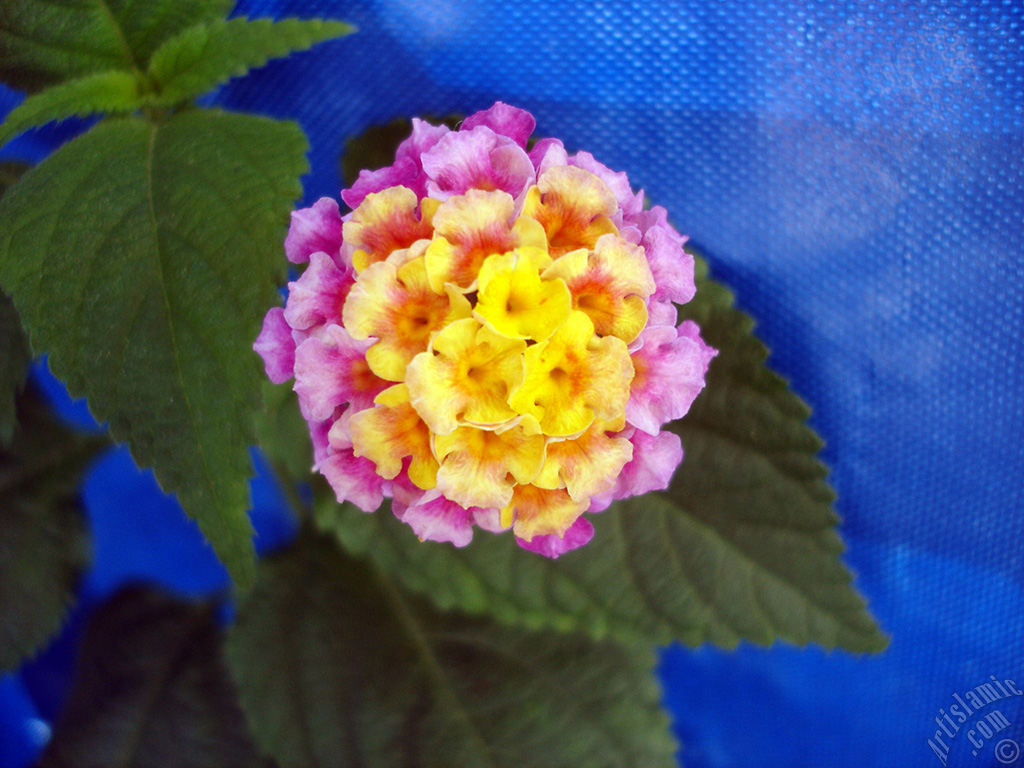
pixel 480 468
pixel 465 377
pixel 573 378
pixel 389 432
pixel 515 302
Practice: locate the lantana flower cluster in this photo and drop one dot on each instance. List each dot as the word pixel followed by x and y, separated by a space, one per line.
pixel 489 336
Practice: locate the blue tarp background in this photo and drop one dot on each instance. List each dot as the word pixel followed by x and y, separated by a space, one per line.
pixel 854 171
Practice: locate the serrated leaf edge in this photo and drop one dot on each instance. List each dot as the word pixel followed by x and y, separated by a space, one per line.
pixel 58 102
pixel 164 92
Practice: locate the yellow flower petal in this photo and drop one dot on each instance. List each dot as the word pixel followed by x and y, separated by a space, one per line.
pixel 480 468
pixel 610 283
pixel 586 465
pixel 468 228
pixel 515 302
pixel 395 304
pixel 389 432
pixel 573 206
pixel 574 377
pixel 385 222
pixel 465 377
pixel 537 511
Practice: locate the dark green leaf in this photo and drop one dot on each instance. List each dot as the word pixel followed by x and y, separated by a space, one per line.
pixel 146 24
pixel 141 257
pixel 207 55
pixel 282 433
pixel 742 546
pixel 14 361
pixel 10 172
pixel 42 539
pixel 339 666
pixel 43 42
pixel 151 690
pixel 759 497
pixel 15 354
pixel 111 91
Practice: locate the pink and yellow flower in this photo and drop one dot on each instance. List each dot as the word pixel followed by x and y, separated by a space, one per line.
pixel 488 338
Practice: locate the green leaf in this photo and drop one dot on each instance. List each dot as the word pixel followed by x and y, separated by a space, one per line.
pixel 42 538
pixel 10 172
pixel 207 55
pixel 151 690
pixel 147 24
pixel 338 666
pixel 742 546
pixel 43 42
pixel 282 433
pixel 141 257
pixel 15 355
pixel 111 91
pixel 759 496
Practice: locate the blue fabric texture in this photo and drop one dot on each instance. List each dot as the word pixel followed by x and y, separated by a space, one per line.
pixel 855 171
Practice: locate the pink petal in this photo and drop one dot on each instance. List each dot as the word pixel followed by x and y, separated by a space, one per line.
pixel 505 120
pixel 661 312
pixel 618 183
pixel 489 520
pixel 630 233
pixel 407 170
pixel 276 347
pixel 548 153
pixel 354 479
pixel 318 433
pixel 317 297
pixel 478 158
pixel 691 330
pixel 654 461
pixel 423 137
pixel 314 229
pixel 403 173
pixel 656 216
pixel 331 370
pixel 670 368
pixel 435 518
pixel 671 266
pixel 550 545
pixel 655 458
pixel 405 493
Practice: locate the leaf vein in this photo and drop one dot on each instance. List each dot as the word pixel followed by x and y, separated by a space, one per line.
pixel 161 268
